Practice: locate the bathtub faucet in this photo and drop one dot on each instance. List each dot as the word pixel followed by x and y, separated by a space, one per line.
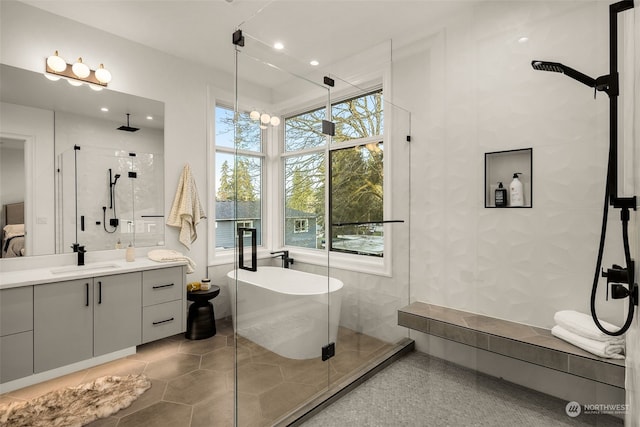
pixel 286 261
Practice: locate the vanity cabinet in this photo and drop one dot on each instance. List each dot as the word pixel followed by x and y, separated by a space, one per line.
pixel 16 333
pixel 47 326
pixel 163 300
pixel 63 323
pixel 117 309
pixel 80 319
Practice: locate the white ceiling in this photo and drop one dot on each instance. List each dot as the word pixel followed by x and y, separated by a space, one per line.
pixel 201 30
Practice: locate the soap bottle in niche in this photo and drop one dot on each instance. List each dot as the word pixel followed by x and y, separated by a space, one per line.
pixel 118 244
pixel 501 196
pixel 131 253
pixel 516 195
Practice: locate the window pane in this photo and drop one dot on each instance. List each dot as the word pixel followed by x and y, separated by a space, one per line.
pixel 357 196
pixel 238 196
pixel 304 200
pixel 359 117
pixel 304 131
pixel 248 137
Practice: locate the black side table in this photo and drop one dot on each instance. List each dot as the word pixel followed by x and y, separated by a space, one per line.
pixel 201 322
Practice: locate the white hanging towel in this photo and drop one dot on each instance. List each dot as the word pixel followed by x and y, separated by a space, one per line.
pixel 186 211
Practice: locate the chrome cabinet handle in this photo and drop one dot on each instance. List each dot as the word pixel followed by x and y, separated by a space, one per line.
pixel 163 321
pixel 163 286
pixel 99 292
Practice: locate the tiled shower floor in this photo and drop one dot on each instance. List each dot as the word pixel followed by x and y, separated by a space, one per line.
pixel 193 381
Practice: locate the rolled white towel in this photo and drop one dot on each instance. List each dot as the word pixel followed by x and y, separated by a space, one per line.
pixel 583 325
pixel 168 255
pixel 599 348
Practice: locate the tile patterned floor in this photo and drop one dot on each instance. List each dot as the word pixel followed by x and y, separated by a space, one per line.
pixel 193 381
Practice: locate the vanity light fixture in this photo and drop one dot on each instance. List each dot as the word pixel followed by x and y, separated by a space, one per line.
pixel 77 73
pixel 265 119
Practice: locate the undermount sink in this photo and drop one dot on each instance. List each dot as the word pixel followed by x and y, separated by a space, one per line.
pixel 82 268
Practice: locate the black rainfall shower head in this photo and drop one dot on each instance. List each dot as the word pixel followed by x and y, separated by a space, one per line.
pixel 128 128
pixel 557 67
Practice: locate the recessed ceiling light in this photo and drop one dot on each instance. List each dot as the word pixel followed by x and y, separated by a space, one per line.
pixel 278 46
pixel 105 109
pixel 149 117
pixel 314 63
pixel 523 39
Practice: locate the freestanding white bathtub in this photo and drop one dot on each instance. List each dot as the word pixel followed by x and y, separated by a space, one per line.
pixel 286 310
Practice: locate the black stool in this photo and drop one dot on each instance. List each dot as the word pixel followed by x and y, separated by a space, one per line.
pixel 201 322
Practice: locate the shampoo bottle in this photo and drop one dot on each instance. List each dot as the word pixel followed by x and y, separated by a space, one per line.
pixel 516 195
pixel 130 255
pixel 501 196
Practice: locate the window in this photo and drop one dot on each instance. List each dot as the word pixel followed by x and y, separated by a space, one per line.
pixel 244 224
pixel 301 226
pixel 238 181
pixel 355 187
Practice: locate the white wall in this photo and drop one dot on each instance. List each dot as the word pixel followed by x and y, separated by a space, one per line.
pixel 11 172
pixel 481 95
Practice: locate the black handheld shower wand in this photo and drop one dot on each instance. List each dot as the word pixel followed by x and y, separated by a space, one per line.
pixel 609 84
pixel 113 222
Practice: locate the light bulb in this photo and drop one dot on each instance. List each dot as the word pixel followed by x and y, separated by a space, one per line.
pixel 80 69
pixel 103 75
pixel 265 118
pixel 56 63
pixel 254 115
pixel 275 121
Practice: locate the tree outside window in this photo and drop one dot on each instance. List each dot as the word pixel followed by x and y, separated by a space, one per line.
pixel 355 172
pixel 238 192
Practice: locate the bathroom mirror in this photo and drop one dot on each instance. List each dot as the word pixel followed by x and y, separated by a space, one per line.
pixel 58 144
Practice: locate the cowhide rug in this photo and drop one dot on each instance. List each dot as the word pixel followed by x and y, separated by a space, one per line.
pixel 76 406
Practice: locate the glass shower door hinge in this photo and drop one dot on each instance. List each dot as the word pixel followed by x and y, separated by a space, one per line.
pixel 328 351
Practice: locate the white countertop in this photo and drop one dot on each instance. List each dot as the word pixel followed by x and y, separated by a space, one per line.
pixel 35 276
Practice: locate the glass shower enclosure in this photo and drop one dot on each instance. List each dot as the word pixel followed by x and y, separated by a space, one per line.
pixel 322 233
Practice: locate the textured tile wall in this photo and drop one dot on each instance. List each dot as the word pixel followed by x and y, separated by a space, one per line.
pixel 518 264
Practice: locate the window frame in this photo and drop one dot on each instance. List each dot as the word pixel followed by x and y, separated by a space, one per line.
pixel 218 256
pixel 336 259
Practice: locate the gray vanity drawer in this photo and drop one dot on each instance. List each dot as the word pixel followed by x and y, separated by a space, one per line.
pixel 162 285
pixel 16 310
pixel 16 356
pixel 161 320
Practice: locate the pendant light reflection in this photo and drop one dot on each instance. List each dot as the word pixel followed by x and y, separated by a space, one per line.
pixel 265 119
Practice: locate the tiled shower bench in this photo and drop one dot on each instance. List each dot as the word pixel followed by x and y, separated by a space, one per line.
pixel 515 340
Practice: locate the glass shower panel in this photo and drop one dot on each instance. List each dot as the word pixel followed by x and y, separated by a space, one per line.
pixel 148 199
pixel 369 212
pixel 281 311
pixel 66 218
pixel 105 200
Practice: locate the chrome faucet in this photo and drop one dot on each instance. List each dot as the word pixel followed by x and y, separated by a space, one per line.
pixel 81 251
pixel 286 261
